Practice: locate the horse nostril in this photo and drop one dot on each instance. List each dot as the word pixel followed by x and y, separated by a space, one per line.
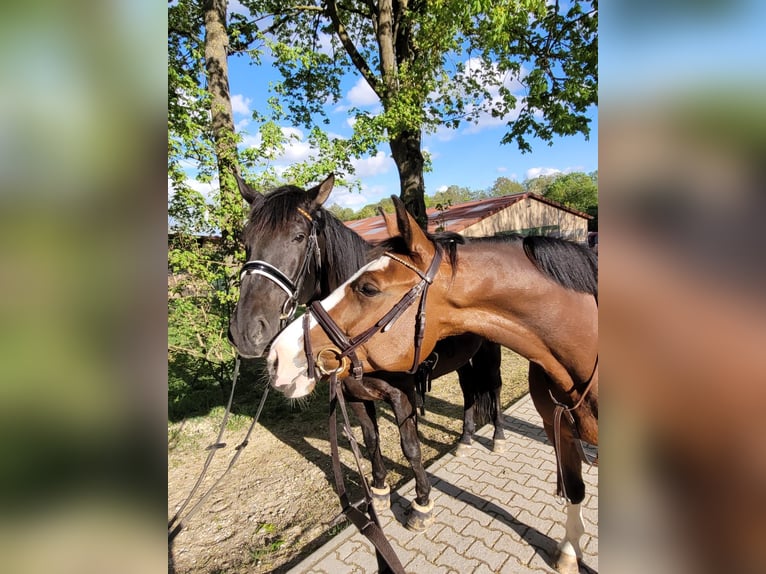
pixel 259 330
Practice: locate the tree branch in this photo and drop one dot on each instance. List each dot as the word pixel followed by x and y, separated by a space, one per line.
pixel 348 44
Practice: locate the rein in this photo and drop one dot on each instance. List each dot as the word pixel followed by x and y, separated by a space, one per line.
pixel 558 411
pixel 388 561
pixel 177 523
pixel 345 348
pixel 273 274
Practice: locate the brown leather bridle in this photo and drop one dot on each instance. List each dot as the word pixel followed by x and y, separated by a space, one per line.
pixel 345 348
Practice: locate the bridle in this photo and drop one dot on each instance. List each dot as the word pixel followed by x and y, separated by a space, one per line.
pixel 345 348
pixel 345 352
pixel 290 287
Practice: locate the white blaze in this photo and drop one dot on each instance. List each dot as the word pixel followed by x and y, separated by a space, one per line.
pixel 287 350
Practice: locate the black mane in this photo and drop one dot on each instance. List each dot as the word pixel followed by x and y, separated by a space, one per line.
pixel 569 264
pixel 343 251
pixel 278 207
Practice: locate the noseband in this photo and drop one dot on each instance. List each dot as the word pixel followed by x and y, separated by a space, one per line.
pixel 291 288
pixel 345 350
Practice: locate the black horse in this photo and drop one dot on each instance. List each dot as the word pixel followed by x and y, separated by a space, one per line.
pixel 298 252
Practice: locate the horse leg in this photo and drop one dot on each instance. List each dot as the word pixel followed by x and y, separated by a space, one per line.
pixel 367 417
pixel 481 383
pixel 465 378
pixel 569 482
pixel 403 404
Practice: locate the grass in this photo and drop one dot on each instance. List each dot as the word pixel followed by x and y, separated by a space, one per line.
pixel 270 544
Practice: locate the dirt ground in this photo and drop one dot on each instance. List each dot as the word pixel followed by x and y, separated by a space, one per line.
pixel 278 503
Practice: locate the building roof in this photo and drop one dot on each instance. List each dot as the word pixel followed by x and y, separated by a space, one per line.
pixel 457 217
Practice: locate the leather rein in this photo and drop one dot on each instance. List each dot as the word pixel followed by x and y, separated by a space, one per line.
pixel 345 348
pixel 292 289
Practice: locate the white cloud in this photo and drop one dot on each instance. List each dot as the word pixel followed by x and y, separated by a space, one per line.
pixel 431 154
pixel 240 104
pixel 350 122
pixel 375 165
pixel 502 169
pixel 443 188
pixel 249 141
pixel 540 171
pixel 296 149
pixel 345 198
pixel 356 200
pixel 325 44
pixel 204 188
pixel 534 172
pixel 362 94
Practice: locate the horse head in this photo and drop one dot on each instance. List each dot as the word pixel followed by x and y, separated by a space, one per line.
pixel 282 258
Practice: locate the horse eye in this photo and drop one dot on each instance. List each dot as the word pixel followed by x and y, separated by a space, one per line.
pixel 368 289
pixel 300 237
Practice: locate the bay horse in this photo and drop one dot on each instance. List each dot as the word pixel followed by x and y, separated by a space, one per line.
pixel 535 295
pixel 298 252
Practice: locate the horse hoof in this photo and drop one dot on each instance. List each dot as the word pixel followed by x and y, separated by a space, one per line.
pixel 498 445
pixel 567 564
pixel 381 498
pixel 421 517
pixel 462 449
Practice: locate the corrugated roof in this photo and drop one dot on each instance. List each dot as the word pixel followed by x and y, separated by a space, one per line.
pixel 457 217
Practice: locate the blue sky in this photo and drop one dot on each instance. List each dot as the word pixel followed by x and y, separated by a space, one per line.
pixel 470 156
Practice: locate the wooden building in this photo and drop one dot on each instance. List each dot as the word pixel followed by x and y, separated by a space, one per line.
pixel 522 213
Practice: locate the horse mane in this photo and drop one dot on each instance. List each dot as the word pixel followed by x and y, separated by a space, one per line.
pixel 447 240
pixel 570 265
pixel 344 250
pixel 278 207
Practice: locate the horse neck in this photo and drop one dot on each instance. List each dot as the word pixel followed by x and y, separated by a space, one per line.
pixel 344 253
pixel 499 294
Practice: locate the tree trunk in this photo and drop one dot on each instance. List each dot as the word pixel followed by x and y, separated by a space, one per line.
pixel 222 120
pixel 405 148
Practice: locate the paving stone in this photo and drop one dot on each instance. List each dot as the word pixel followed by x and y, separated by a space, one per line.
pixel 459 541
pixel 489 536
pixel 455 561
pixel 489 556
pixel 493 512
pixel 420 564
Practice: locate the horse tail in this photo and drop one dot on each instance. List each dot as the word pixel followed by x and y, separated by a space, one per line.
pixel 484 405
pixel 486 380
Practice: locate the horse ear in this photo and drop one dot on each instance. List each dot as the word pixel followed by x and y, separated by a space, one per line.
pixel 414 237
pixel 390 221
pixel 403 226
pixel 248 193
pixel 321 192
